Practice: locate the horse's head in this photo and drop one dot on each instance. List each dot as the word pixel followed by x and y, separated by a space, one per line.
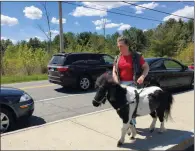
pixel 103 85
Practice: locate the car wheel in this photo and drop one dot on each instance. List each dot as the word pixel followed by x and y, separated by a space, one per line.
pixel 7 120
pixel 84 83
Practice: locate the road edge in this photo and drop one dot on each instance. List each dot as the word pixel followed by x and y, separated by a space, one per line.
pixel 58 121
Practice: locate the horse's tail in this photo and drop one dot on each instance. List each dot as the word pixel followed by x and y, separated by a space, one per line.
pixel 166 101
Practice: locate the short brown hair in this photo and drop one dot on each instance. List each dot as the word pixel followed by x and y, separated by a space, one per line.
pixel 124 39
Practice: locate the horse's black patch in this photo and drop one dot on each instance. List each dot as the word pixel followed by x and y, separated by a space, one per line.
pixel 161 101
pixel 117 98
pixel 154 100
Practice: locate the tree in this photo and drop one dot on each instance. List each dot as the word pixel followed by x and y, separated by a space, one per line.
pixel 47 32
pixel 137 39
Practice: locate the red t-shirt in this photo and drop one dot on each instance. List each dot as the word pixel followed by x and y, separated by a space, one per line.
pixel 126 67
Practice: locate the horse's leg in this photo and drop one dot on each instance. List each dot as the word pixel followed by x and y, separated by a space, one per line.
pixel 123 132
pixel 160 114
pixel 129 131
pixel 133 130
pixel 152 126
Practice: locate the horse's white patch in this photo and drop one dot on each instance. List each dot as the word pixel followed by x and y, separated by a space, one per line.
pixel 153 124
pixel 143 107
pixel 162 127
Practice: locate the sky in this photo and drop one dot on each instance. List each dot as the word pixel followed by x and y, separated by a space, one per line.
pixel 21 20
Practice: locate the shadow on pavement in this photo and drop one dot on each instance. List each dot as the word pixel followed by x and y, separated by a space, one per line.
pixel 155 139
pixel 32 121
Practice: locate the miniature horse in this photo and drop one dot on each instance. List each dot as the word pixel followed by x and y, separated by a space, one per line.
pixel 151 100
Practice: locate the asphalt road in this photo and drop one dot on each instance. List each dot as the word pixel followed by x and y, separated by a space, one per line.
pixel 53 103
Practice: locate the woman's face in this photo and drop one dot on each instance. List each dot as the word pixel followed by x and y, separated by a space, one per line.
pixel 122 47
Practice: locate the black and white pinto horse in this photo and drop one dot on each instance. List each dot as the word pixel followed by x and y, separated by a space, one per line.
pixel 152 100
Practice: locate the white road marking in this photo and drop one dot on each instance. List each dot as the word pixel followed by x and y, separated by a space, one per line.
pixel 65 96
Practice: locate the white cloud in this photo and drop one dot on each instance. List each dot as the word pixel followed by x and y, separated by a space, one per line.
pixel 105 5
pixel 108 24
pixel 187 11
pixel 56 21
pixel 124 27
pixel 5 38
pixel 82 11
pixel 113 25
pixel 145 30
pixel 139 10
pixel 10 21
pixel 97 8
pixel 76 23
pixel 55 32
pixel 33 12
pixel 101 22
pixel 40 38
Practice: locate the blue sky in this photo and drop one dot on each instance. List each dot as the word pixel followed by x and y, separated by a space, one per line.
pixel 19 20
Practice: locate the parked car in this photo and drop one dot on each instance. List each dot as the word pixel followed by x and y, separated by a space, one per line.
pixel 15 104
pixel 191 66
pixel 78 70
pixel 169 73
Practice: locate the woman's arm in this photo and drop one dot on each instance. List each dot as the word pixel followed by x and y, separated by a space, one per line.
pixel 114 74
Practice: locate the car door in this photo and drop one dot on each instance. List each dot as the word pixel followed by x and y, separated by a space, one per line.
pixel 78 64
pixel 157 74
pixel 96 66
pixel 176 73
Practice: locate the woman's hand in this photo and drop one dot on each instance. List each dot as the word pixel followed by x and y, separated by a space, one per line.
pixel 141 79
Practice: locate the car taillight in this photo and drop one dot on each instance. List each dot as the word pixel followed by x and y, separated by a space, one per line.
pixel 62 69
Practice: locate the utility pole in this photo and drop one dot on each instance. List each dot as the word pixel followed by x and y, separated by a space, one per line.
pixel 61 28
pixel 104 26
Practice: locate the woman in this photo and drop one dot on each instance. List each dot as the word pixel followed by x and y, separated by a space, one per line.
pixel 123 72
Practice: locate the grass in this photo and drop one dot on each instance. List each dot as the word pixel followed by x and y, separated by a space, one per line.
pixel 17 79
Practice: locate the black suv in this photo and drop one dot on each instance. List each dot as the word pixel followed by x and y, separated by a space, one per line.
pixel 78 70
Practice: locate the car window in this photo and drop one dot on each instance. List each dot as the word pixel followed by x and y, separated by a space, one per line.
pixel 172 65
pixel 75 58
pixel 108 59
pixel 158 66
pixel 94 62
pixel 57 60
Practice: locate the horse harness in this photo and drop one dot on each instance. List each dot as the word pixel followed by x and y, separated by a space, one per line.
pixel 136 100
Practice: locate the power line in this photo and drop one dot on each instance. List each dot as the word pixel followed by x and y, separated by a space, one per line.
pixel 156 10
pixel 121 10
pixel 115 12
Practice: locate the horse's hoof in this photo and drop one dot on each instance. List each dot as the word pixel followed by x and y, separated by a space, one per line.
pixel 132 138
pixel 129 133
pixel 119 144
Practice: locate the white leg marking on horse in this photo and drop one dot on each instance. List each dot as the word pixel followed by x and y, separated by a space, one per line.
pixel 162 128
pixel 134 133
pixel 153 124
pixel 129 131
pixel 123 132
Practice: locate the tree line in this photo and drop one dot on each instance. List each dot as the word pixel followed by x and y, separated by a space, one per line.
pixel 169 39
